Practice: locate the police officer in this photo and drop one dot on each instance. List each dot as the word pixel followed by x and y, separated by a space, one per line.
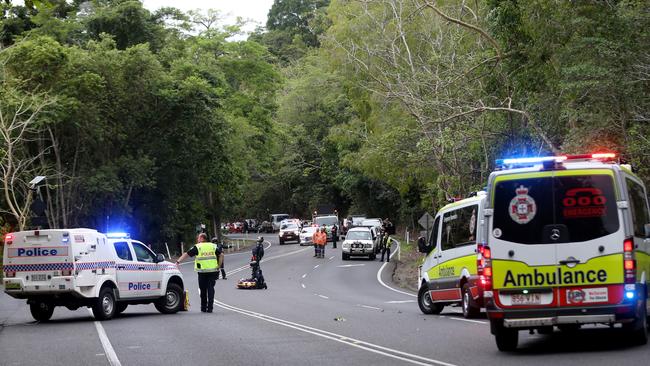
pixel 386 243
pixel 206 263
pixel 335 235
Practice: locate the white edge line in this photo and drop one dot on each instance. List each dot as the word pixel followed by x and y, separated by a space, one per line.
pixel 382 282
pixel 336 337
pixel 323 296
pixel 370 307
pixel 303 285
pixel 106 343
pixel 467 320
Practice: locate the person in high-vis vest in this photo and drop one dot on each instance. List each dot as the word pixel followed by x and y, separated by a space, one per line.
pixel 206 264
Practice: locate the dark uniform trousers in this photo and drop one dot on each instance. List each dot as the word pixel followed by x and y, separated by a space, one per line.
pixel 206 285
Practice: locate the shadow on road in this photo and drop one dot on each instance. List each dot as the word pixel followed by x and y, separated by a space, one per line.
pixel 580 341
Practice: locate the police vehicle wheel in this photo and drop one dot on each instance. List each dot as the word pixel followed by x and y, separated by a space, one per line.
pixel 426 305
pixel 345 256
pixel 104 307
pixel 470 310
pixel 281 242
pixel 41 311
pixel 373 257
pixel 120 307
pixel 172 301
pixel 506 339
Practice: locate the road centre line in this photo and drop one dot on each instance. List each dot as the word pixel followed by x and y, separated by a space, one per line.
pixel 382 268
pixel 316 266
pixel 367 346
pixel 303 285
pixel 305 275
pixel 399 301
pixel 106 343
pixel 370 307
pixel 323 296
pixel 351 265
pixel 265 260
pixel 191 262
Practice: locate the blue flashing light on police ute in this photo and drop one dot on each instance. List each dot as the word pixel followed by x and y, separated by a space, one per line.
pixel 559 159
pixel 118 235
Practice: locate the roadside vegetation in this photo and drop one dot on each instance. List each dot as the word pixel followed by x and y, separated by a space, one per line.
pixel 153 122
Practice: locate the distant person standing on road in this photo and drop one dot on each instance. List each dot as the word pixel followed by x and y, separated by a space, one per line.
pixel 206 263
pixel 245 230
pixel 320 240
pixel 221 257
pixel 335 235
pixel 386 243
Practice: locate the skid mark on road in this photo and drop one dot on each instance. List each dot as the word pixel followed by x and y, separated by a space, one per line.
pixel 367 346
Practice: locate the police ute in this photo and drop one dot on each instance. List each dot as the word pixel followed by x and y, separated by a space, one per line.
pixel 567 244
pixel 449 272
pixel 84 268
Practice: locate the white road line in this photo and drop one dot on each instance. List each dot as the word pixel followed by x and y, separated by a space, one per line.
pixel 323 296
pixel 106 344
pixel 303 285
pixel 265 260
pixel 191 262
pixel 467 320
pixel 351 265
pixel 399 301
pixel 370 307
pixel 316 266
pixel 367 346
pixel 331 258
pixel 305 275
pixel 382 282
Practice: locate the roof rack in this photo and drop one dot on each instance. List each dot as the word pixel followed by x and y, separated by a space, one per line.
pixel 505 164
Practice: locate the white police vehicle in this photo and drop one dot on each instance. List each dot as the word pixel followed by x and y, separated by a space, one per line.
pixel 84 268
pixel 360 241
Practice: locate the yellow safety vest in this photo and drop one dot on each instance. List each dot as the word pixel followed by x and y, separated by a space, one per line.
pixel 206 260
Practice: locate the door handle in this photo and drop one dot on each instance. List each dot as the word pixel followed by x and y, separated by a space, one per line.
pixel 570 261
pixel 121 267
pixel 141 268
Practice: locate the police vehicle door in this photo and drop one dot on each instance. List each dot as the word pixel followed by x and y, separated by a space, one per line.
pixel 149 274
pixel 124 265
pixel 457 257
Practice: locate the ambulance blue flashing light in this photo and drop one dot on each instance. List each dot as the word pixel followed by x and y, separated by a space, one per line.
pixel 629 295
pixel 118 235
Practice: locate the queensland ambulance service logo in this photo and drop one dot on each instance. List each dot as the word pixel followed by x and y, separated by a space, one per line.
pixel 522 207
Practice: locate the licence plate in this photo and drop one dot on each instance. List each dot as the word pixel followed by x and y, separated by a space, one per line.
pixel 526 299
pixel 39 277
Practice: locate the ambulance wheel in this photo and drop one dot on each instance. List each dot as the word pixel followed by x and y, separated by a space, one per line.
pixel 424 301
pixel 638 330
pixel 506 338
pixel 470 310
pixel 120 307
pixel 172 301
pixel 41 311
pixel 105 306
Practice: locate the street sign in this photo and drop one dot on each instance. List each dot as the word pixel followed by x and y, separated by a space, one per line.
pixel 426 221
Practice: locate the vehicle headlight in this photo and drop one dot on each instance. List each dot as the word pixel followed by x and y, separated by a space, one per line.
pixel 368 245
pixel 346 245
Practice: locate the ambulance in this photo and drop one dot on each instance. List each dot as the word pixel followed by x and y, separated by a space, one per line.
pixel 84 268
pixel 449 272
pixel 567 244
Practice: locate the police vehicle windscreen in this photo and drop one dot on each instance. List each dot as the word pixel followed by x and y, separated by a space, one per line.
pixel 358 235
pixel 326 220
pixel 551 210
pixel 357 220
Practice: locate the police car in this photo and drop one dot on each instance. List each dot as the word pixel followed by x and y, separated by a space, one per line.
pixel 449 275
pixel 84 268
pixel 360 241
pixel 567 244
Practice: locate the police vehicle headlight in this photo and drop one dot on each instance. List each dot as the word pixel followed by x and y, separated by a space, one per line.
pixel 346 245
pixel 368 245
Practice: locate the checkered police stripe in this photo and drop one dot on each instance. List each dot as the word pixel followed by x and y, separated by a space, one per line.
pixel 146 266
pixel 37 267
pixel 81 266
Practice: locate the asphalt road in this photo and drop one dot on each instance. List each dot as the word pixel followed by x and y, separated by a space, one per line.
pixel 315 311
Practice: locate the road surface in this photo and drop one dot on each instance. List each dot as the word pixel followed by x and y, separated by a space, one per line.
pixel 315 311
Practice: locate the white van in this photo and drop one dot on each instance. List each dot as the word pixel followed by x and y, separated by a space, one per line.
pixel 84 268
pixel 448 275
pixel 568 244
pixel 276 220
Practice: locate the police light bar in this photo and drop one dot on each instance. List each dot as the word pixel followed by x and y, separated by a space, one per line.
pixel 557 159
pixel 118 235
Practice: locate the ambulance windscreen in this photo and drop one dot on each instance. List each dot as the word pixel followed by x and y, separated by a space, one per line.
pixel 551 210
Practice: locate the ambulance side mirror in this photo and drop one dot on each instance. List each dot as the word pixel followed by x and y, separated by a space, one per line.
pixel 646 227
pixel 160 258
pixel 423 246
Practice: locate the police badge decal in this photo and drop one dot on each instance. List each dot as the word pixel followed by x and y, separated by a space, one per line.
pixel 522 206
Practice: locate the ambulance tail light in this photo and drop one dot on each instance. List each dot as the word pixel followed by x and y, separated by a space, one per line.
pixel 629 263
pixel 484 266
pixel 9 239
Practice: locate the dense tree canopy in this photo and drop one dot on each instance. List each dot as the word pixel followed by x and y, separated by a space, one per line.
pixel 158 121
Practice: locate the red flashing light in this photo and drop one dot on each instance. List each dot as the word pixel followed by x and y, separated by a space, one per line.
pixel 628 245
pixel 630 264
pixel 487 271
pixel 603 156
pixel 9 237
pixel 487 253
